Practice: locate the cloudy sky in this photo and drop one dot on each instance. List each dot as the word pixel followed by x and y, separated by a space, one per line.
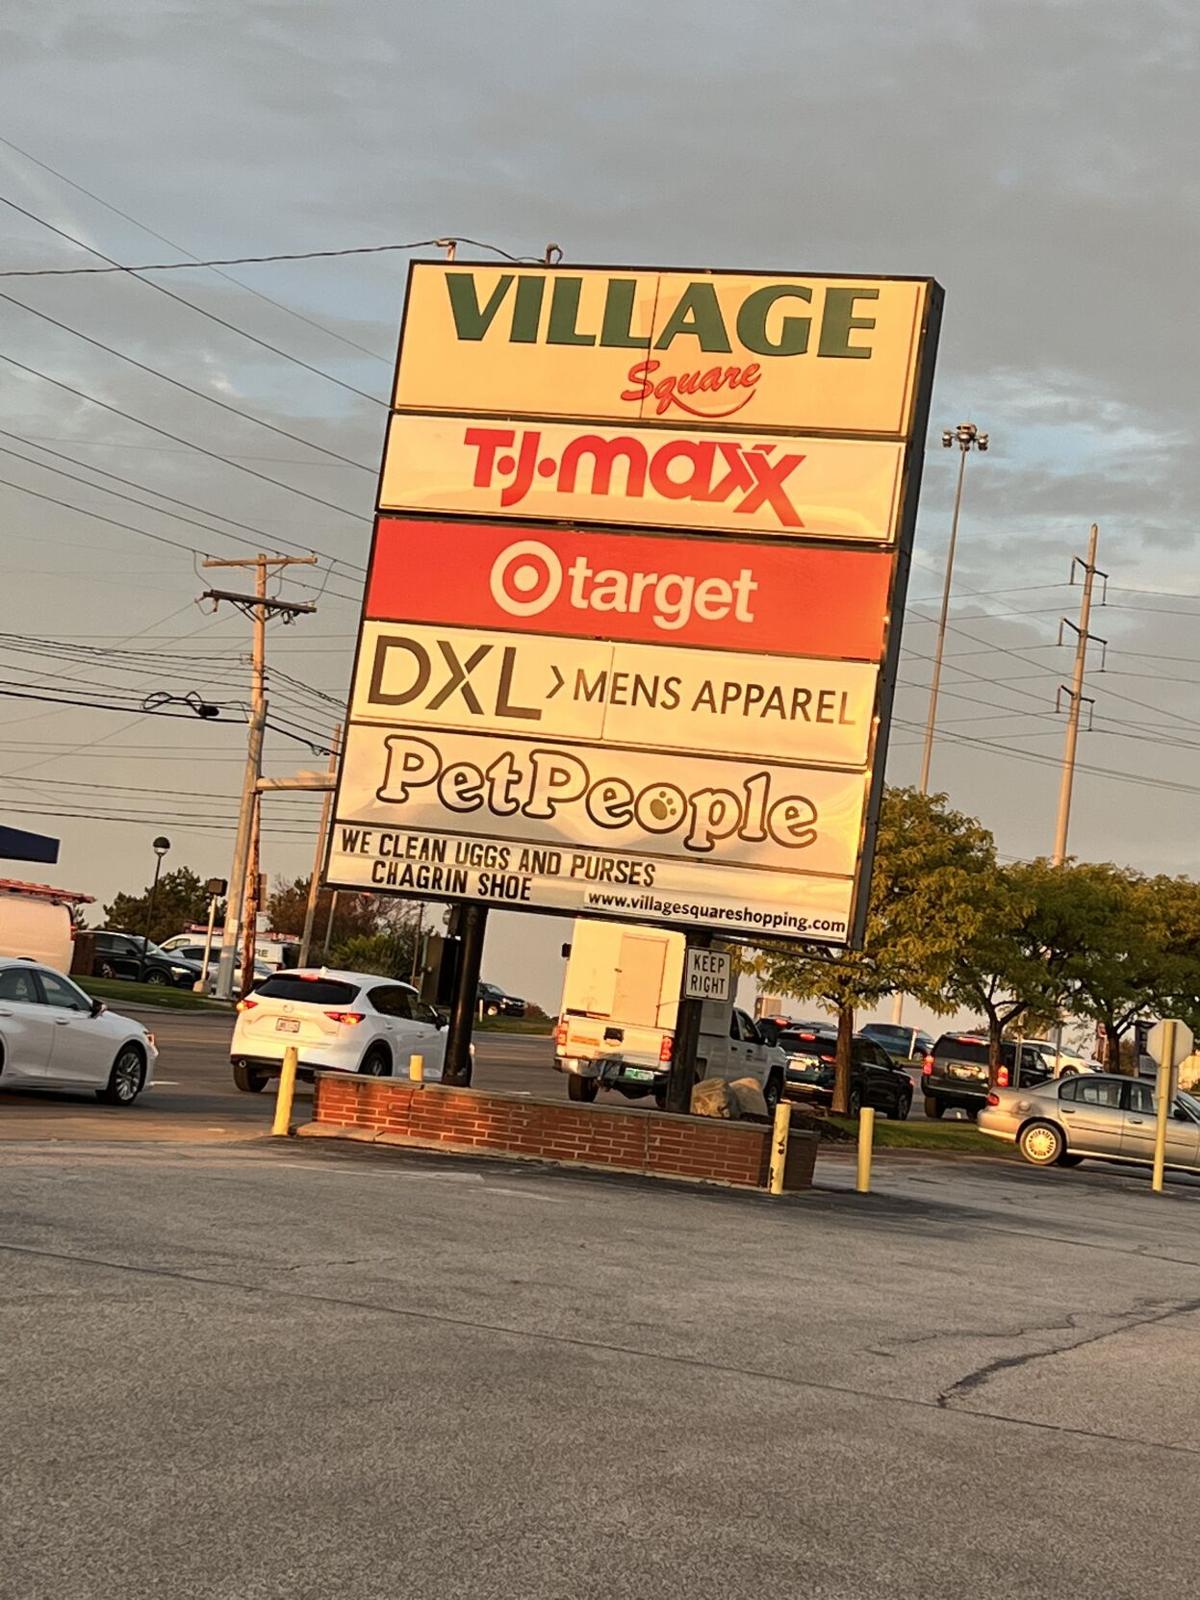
pixel 1038 159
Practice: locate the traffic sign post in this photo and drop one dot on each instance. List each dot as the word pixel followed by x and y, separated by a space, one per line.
pixel 1170 1043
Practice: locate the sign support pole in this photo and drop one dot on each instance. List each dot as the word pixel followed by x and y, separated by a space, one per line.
pixel 473 926
pixel 682 1075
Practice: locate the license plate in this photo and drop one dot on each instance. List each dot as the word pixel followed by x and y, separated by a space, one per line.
pixel 287 1025
pixel 639 1074
pixel 804 1061
pixel 967 1072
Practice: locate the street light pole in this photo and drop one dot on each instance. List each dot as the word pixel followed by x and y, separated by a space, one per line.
pixel 968 437
pixel 161 846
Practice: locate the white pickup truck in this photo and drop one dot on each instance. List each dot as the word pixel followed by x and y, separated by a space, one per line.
pixel 616 1024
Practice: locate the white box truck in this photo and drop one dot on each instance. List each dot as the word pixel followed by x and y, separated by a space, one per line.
pixel 35 922
pixel 620 1004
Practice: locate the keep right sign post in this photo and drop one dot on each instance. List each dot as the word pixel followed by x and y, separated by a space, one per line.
pixel 633 610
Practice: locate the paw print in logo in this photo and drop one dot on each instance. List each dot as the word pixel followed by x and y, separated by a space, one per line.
pixel 660 808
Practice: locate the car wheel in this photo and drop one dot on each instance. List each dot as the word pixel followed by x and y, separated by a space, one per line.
pixel 107 970
pixel 491 1011
pixel 903 1105
pixel 1069 1072
pixel 247 1080
pixel 582 1088
pixel 934 1107
pixel 1041 1144
pixel 855 1102
pixel 126 1078
pixel 376 1063
pixel 156 976
pixel 773 1092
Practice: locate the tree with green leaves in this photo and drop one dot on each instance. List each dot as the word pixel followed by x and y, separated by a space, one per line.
pixel 181 899
pixel 929 896
pixel 1016 965
pixel 355 916
pixel 1136 948
pixel 391 955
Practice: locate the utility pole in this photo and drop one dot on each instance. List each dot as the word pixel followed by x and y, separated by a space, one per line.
pixel 242 911
pixel 968 437
pixel 1075 695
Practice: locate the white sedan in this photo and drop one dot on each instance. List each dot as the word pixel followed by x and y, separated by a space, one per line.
pixel 345 1021
pixel 53 1036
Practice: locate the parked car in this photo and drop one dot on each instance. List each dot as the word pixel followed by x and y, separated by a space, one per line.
pixel 955 1073
pixel 1063 1121
pixel 342 1021
pixel 875 1079
pixel 195 952
pixel 1063 1061
pixel 771 1027
pixel 119 955
pixel 496 1003
pixel 54 1036
pixel 908 1046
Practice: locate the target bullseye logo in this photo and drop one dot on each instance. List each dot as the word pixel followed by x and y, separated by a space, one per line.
pixel 526 578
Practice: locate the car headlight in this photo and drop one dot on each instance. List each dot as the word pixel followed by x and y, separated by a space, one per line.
pixel 180 972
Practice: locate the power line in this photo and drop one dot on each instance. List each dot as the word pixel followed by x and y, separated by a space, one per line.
pixel 115 266
pixel 178 383
pixel 213 455
pixel 258 294
pixel 134 483
pixel 251 261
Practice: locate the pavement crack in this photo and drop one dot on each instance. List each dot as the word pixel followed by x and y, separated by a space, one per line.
pixel 983 1374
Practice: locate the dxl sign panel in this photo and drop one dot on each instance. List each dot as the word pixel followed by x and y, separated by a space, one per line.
pixel 629 634
pixel 800 353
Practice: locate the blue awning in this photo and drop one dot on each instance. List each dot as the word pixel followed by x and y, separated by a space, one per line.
pixel 17 845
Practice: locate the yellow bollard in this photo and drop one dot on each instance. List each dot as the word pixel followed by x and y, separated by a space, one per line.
pixel 416 1069
pixel 1163 1102
pixel 286 1091
pixel 866 1138
pixel 779 1146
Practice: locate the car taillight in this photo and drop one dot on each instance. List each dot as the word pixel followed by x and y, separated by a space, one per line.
pixel 560 1036
pixel 348 1017
pixel 831 1060
pixel 1002 1077
pixel 993 1099
pixel 927 1067
pixel 246 1005
pixel 666 1048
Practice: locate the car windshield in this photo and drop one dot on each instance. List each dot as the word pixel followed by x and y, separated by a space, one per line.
pixel 312 991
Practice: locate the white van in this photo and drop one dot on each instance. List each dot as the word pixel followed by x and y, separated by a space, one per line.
pixel 620 1003
pixel 35 921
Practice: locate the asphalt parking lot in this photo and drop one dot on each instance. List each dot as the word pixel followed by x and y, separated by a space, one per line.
pixel 240 1370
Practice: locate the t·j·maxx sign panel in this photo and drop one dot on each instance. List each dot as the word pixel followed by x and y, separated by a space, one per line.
pixel 633 609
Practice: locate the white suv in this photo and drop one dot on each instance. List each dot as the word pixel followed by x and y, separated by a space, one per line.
pixel 345 1021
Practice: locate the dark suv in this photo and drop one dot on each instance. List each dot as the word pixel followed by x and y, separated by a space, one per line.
pixel 119 955
pixel 955 1072
pixel 875 1079
pixel 494 1002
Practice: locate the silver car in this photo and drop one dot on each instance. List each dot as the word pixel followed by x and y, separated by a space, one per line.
pixel 1061 1122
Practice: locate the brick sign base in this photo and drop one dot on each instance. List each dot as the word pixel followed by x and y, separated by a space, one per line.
pixel 614 1138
